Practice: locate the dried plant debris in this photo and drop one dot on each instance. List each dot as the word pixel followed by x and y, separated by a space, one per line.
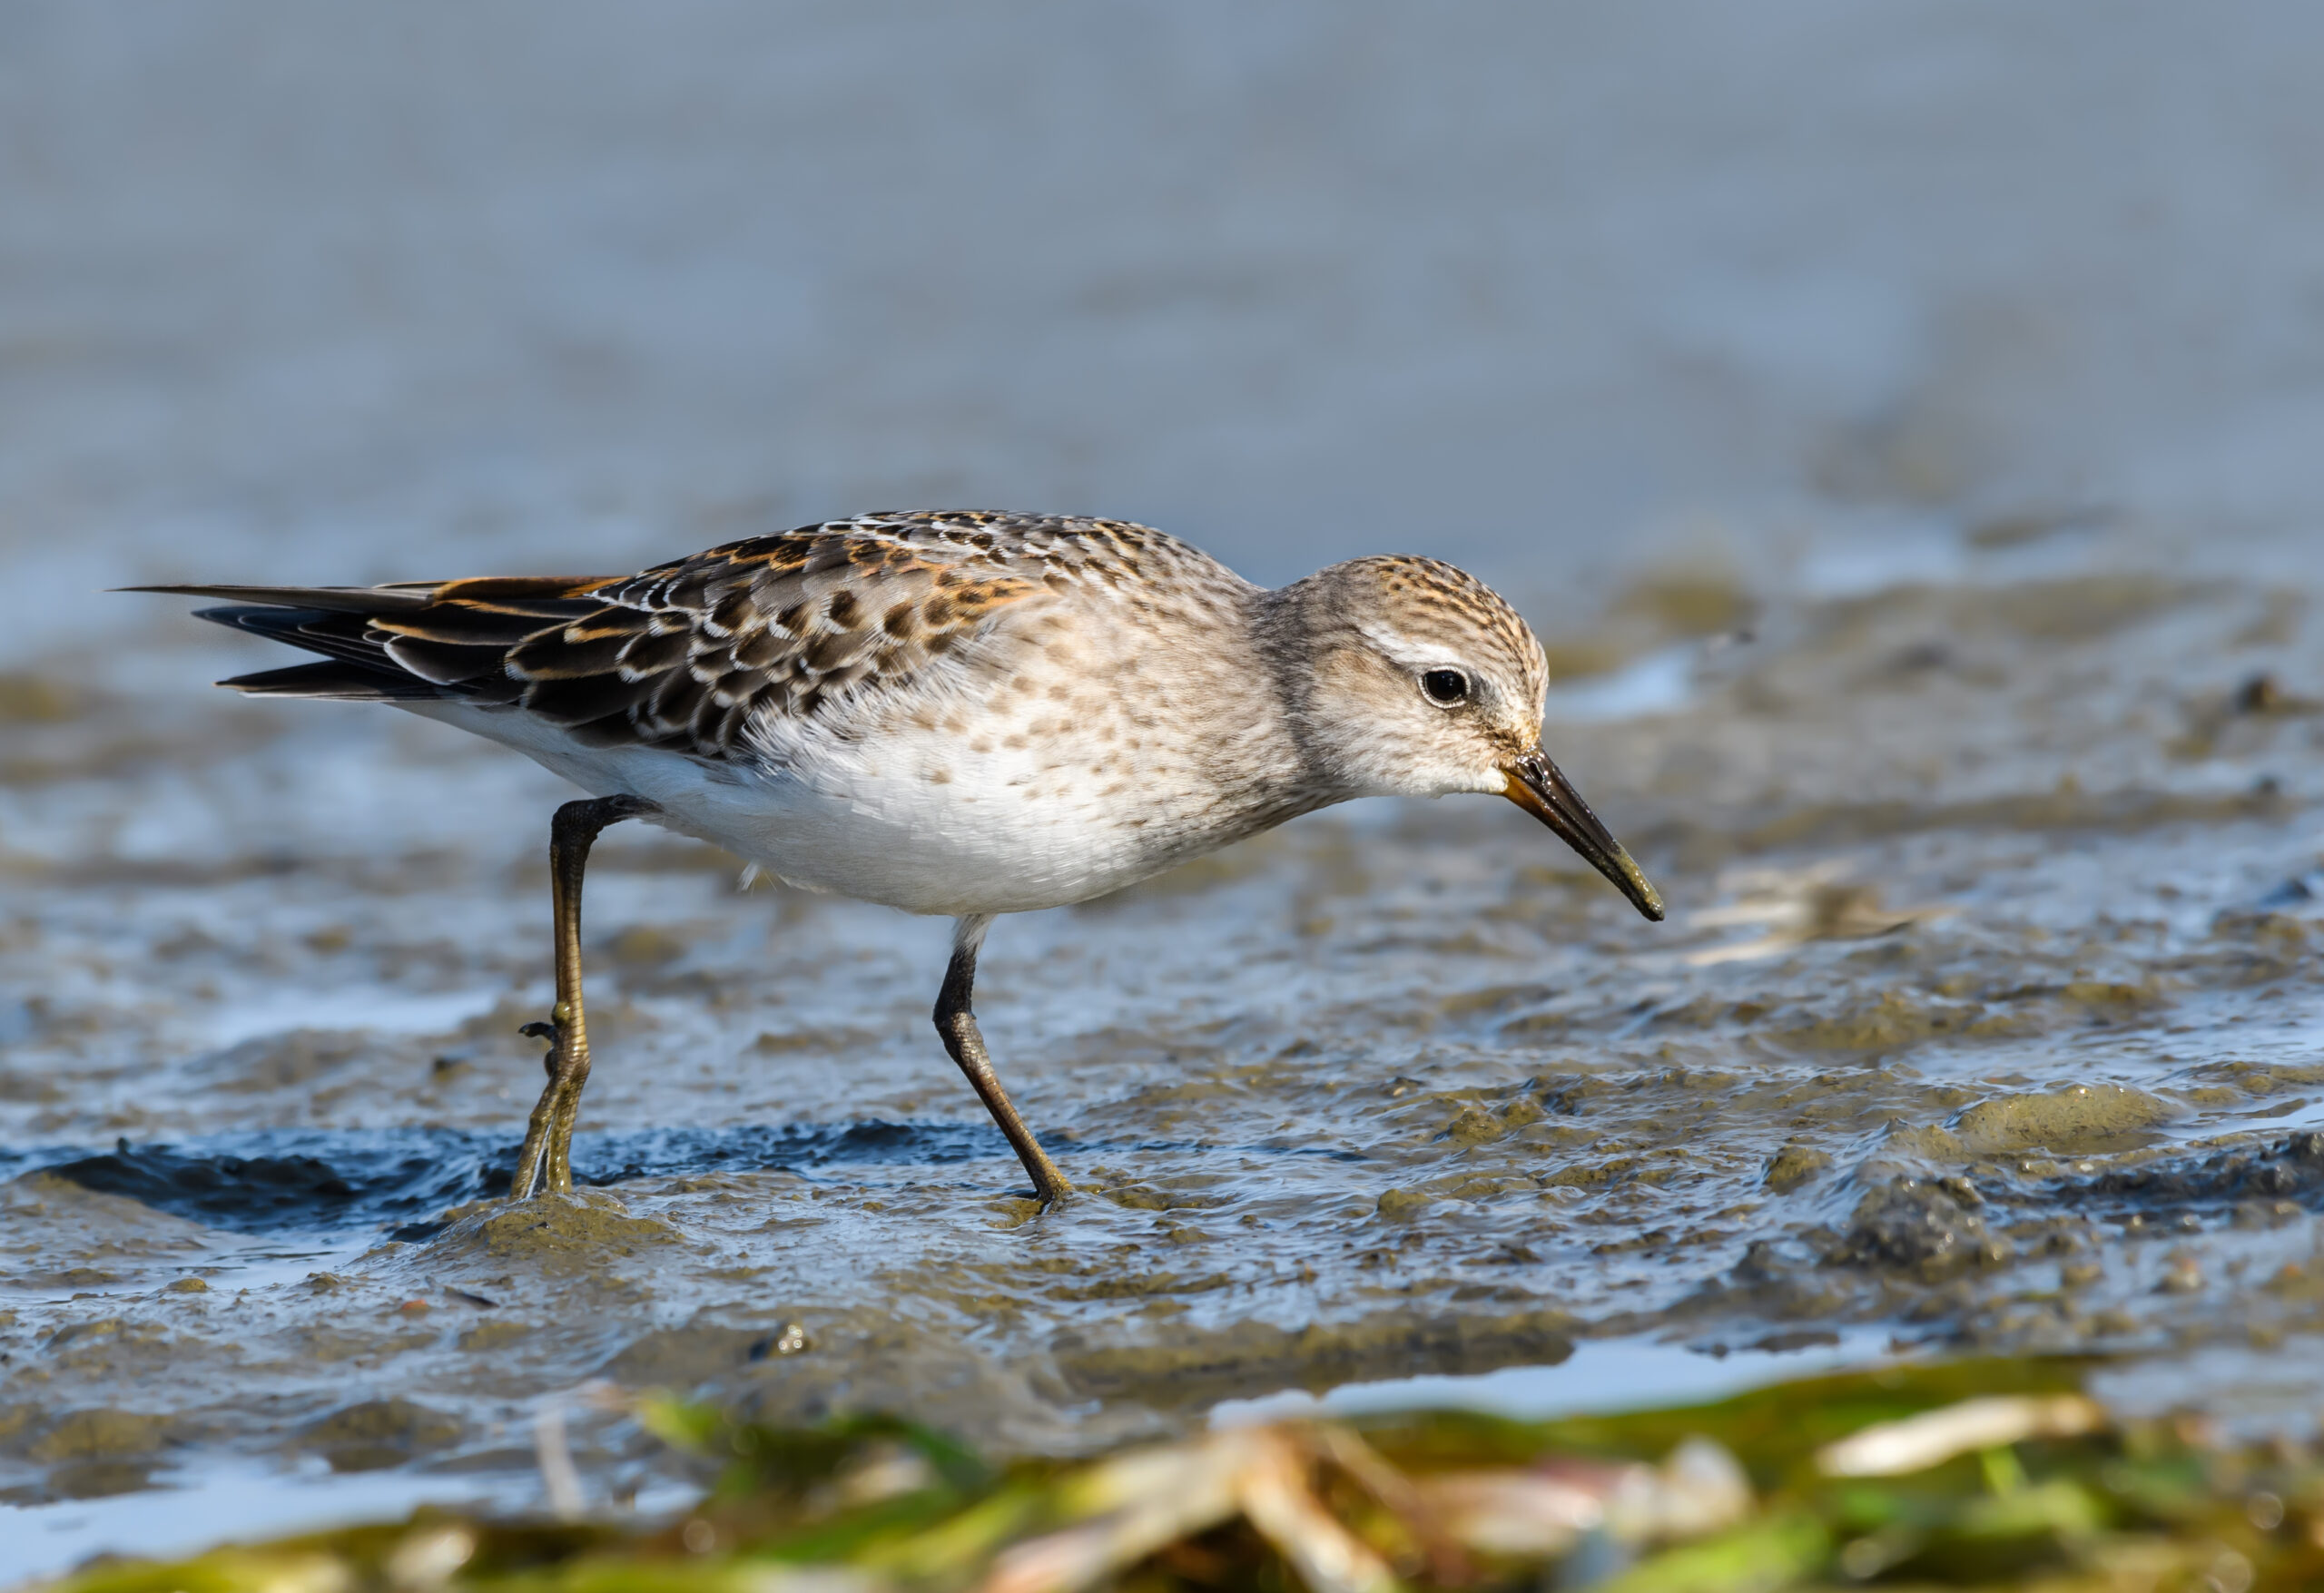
pixel 1994 1474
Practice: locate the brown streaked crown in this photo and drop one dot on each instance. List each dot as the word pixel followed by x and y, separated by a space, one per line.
pixel 1427 596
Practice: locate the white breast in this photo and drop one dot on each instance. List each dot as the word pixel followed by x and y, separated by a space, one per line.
pixel 1066 751
pixel 922 819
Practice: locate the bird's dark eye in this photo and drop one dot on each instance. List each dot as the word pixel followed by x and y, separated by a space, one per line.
pixel 1446 685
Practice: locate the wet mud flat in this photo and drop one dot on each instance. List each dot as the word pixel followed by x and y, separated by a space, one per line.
pixel 1987 1018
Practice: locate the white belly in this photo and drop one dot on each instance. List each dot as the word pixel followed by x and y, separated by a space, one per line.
pixel 921 824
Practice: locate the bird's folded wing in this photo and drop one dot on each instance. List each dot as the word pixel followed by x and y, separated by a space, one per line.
pixel 681 656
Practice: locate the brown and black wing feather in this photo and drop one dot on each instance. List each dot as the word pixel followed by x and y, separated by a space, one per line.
pixel 403 642
pixel 685 653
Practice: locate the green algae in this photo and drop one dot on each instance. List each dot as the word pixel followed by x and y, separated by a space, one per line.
pixel 1995 1474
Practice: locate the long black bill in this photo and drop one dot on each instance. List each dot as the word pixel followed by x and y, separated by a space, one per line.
pixel 1536 786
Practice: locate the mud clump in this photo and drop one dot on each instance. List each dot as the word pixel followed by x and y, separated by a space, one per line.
pixel 302 1059
pixel 2081 1117
pixel 2292 1170
pixel 487 1337
pixel 378 1433
pixel 864 1363
pixel 1396 1205
pixel 683 1357
pixel 2080 608
pixel 645 946
pixel 554 1236
pixel 1920 1230
pixel 32 699
pixel 1771 1287
pixel 1891 1021
pixel 102 1434
pixel 1688 602
pixel 1256 1358
pixel 2066 808
pixel 51 1227
pixel 1794 1165
pixel 91 1453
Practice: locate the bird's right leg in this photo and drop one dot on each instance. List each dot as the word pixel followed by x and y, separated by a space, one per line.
pixel 958 1025
pixel 545 1161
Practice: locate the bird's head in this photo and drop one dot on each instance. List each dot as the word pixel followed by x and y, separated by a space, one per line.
pixel 1409 678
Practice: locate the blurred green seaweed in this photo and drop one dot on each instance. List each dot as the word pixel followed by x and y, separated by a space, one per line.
pixel 1985 1473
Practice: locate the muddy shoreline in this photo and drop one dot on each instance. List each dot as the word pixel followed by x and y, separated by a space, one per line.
pixel 2002 1041
pixel 1899 424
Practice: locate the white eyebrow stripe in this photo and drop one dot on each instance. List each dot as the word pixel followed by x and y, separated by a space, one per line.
pixel 1410 651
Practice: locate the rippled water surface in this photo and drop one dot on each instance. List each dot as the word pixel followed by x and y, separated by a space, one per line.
pixel 2002 1033
pixel 1975 741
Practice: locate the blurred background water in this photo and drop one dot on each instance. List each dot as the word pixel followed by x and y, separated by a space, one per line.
pixel 341 292
pixel 1760 308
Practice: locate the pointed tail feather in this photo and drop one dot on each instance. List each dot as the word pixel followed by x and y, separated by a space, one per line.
pixel 361 600
pixel 333 679
pixel 403 642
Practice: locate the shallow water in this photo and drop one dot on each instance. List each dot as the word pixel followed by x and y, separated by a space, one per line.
pixel 1947 1044
pixel 1988 1014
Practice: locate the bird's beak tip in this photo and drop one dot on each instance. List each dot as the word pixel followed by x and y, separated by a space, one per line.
pixel 1536 785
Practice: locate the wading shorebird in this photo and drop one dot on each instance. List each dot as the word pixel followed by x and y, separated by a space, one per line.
pixel 964 714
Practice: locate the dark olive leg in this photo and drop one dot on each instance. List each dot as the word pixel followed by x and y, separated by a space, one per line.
pixel 958 1025
pixel 545 1162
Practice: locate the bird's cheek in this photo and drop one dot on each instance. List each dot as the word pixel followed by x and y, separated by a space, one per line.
pixel 1456 778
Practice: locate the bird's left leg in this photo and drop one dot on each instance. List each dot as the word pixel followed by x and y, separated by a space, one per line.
pixel 958 1025
pixel 545 1161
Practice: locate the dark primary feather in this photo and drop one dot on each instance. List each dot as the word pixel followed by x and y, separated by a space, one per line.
pixel 683 655
pixel 407 642
pixel 331 599
pixel 332 679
